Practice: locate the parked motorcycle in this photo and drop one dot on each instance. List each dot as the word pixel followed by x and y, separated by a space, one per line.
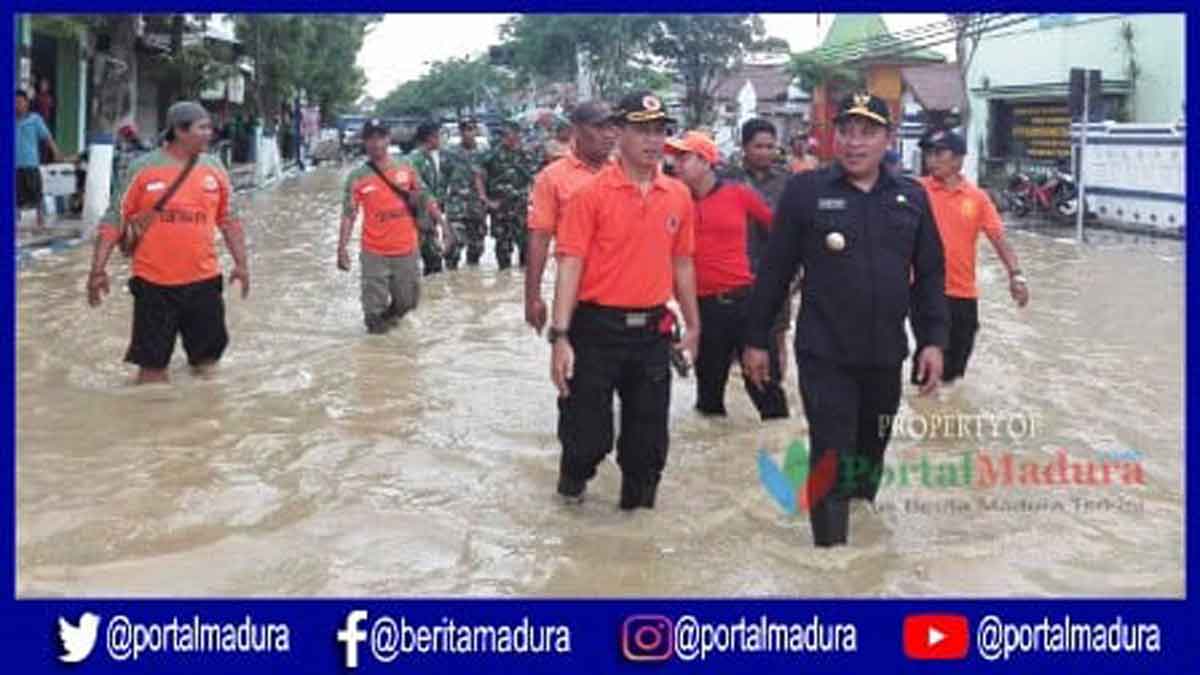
pixel 1054 193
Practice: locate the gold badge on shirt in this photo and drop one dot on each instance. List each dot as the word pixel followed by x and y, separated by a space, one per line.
pixel 835 241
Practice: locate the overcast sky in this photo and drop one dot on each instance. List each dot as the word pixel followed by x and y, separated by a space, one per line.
pixel 399 47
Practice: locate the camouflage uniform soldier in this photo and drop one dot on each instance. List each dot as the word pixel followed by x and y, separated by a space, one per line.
pixel 465 205
pixel 757 168
pixel 509 173
pixel 431 167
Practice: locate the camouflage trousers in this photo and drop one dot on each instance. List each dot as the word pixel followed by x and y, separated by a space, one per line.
pixel 509 232
pixel 453 251
pixel 471 234
pixel 431 248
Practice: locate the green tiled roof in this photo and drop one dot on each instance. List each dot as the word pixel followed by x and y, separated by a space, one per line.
pixel 870 33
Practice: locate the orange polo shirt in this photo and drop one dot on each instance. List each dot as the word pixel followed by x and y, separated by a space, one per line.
pixel 809 163
pixel 179 245
pixel 961 214
pixel 552 187
pixel 627 240
pixel 389 227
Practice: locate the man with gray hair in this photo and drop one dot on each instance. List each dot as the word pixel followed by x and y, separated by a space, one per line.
pixel 164 217
pixel 595 137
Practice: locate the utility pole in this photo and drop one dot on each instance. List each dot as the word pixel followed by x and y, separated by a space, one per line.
pixel 1083 129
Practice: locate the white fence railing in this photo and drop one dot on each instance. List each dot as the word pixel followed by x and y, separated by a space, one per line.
pixel 1136 174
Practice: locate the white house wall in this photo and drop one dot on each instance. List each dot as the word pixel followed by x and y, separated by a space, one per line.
pixel 1026 55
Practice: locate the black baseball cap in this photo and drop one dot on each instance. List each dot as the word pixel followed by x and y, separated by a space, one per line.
pixel 591 112
pixel 945 140
pixel 468 123
pixel 866 106
pixel 375 127
pixel 639 107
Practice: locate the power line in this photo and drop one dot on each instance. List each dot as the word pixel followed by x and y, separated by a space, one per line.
pixel 914 39
pixel 1007 23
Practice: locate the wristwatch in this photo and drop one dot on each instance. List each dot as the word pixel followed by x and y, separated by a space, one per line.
pixel 553 334
pixel 1016 277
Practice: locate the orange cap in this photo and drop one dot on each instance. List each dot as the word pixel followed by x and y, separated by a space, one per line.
pixel 694 142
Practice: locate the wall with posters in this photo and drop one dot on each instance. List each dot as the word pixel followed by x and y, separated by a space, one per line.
pixel 1028 66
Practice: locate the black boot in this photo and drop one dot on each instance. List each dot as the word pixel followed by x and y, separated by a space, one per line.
pixel 637 493
pixel 503 261
pixel 571 491
pixel 376 324
pixel 830 520
pixel 391 316
pixel 473 258
pixel 433 264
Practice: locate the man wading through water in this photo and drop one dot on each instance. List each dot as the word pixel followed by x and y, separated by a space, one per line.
pixel 595 136
pixel 165 216
pixel 758 169
pixel 624 246
pixel 391 197
pixel 861 234
pixel 725 213
pixel 962 211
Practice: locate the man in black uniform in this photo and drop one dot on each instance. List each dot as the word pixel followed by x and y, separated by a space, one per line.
pixel 859 232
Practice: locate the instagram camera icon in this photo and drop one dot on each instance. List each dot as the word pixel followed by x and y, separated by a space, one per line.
pixel 648 637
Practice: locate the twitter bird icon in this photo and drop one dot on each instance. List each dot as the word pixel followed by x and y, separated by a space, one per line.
pixel 78 641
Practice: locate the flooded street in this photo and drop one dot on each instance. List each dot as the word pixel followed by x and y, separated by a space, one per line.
pixel 323 462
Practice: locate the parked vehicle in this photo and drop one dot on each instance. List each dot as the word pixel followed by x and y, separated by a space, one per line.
pixel 1054 193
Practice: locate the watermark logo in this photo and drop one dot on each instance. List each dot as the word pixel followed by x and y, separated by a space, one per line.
pixel 648 637
pixel 78 639
pixel 799 482
pixel 1016 425
pixel 796 486
pixel 351 636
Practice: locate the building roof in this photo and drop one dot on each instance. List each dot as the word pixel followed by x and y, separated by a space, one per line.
pixel 770 82
pixel 864 38
pixel 936 86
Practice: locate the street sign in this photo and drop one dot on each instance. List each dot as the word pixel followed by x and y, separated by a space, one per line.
pixel 1093 89
pixel 1087 105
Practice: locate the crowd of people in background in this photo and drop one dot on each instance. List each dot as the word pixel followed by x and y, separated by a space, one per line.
pixel 667 254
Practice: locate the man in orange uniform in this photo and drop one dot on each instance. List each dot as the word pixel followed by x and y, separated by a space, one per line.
pixel 962 211
pixel 725 211
pixel 595 136
pixel 390 196
pixel 624 246
pixel 176 283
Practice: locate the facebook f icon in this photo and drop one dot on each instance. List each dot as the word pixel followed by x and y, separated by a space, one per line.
pixel 351 636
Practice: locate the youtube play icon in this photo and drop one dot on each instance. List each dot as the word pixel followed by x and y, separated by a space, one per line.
pixel 936 636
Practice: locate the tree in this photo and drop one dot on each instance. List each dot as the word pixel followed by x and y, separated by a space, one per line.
pixel 275 44
pixel 314 53
pixel 330 74
pixel 113 59
pixel 968 33
pixel 612 48
pixel 813 71
pixel 703 49
pixel 410 98
pixel 456 84
pixel 187 64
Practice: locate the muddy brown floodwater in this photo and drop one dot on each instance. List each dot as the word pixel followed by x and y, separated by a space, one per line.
pixel 323 462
